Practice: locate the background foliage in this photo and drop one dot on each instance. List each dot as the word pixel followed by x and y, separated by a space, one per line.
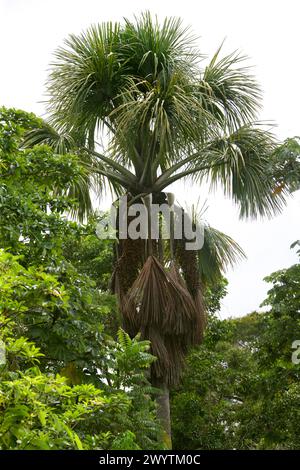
pixel 72 378
pixel 241 388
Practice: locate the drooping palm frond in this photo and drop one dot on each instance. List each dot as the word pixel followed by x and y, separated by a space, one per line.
pixel 100 172
pixel 218 252
pixel 64 142
pixel 187 270
pixel 156 299
pixel 131 254
pixel 61 142
pixel 246 156
pixel 240 163
pixel 207 264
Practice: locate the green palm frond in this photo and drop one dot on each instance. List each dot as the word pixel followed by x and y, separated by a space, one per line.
pixel 233 94
pixel 244 158
pixel 284 167
pixel 162 120
pixel 240 163
pixel 93 180
pixel 152 49
pixel 61 142
pixel 86 78
pixel 81 193
pixel 219 252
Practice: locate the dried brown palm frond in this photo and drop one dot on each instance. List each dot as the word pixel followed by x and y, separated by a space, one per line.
pixel 174 273
pixel 156 299
pixel 201 317
pixel 159 305
pixel 126 270
pixel 130 255
pixel 199 320
pixel 170 351
pixel 159 350
pixel 188 261
pixel 130 262
pixel 115 287
pixel 149 296
pixel 177 350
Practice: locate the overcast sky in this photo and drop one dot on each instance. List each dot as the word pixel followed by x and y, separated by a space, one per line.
pixel 267 31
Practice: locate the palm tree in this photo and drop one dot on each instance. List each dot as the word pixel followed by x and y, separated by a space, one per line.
pixel 162 117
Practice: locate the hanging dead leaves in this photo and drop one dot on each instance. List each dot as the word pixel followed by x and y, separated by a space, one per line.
pixel 160 306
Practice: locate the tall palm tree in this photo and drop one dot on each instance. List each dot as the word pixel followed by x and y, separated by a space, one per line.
pixel 162 117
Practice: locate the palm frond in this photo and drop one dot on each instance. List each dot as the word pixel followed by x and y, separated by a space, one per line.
pixel 209 263
pixel 160 307
pixel 92 182
pixel 152 48
pixel 61 142
pixel 240 163
pixel 85 78
pixel 219 252
pixel 245 157
pixel 162 119
pixel 284 166
pixel 233 94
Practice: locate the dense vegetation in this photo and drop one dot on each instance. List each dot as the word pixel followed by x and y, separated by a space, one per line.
pixel 241 387
pixel 73 379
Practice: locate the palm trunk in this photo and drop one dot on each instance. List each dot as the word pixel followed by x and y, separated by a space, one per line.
pixel 163 410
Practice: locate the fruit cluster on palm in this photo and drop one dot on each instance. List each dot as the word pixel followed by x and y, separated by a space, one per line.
pixel 162 117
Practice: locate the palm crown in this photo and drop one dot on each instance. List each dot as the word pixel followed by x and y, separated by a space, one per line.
pixel 166 117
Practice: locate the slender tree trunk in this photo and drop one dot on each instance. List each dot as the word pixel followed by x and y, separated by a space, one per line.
pixel 163 411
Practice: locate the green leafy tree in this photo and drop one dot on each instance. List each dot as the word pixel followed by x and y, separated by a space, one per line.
pixel 240 389
pixel 66 382
pixel 45 410
pixel 284 166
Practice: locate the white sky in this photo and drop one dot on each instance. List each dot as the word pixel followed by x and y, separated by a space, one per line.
pixel 267 31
